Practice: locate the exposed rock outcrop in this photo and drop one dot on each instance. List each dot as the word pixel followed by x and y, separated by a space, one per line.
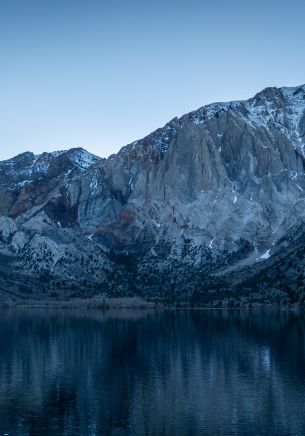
pixel 215 194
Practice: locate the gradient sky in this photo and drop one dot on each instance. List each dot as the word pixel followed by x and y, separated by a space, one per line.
pixel 100 74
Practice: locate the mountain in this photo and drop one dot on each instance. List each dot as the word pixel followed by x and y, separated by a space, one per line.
pixel 209 210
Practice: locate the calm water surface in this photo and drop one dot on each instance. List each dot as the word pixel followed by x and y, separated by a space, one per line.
pixel 152 373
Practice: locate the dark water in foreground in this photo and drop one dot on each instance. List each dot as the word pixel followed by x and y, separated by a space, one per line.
pixel 152 373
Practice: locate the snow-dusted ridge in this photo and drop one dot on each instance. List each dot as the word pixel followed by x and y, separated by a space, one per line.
pixel 266 109
pixel 27 166
pixel 279 108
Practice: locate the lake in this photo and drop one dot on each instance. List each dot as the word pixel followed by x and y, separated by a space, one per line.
pixel 170 372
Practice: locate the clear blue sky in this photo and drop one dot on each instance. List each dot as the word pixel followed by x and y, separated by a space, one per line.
pixel 100 74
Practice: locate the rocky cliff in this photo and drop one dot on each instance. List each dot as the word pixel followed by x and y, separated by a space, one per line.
pixel 208 209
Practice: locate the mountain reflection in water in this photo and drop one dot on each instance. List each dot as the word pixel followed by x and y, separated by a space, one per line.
pixel 151 372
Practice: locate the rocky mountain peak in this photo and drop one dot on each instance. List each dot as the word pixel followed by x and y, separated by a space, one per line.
pixel 218 190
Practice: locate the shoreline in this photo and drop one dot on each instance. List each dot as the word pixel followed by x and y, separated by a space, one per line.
pixel 132 303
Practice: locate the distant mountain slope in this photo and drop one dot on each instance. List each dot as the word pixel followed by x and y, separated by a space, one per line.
pixel 197 208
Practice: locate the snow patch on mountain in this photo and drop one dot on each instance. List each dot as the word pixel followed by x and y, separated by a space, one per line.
pixel 265 256
pixel 83 158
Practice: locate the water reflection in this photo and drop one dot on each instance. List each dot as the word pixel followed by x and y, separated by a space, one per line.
pixel 151 373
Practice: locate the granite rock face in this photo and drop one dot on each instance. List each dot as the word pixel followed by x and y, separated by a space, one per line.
pixel 214 194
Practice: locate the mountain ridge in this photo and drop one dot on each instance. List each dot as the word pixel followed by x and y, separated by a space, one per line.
pixel 170 216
